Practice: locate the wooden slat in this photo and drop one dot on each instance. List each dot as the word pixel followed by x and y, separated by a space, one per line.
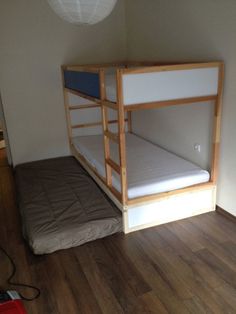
pixel 113 165
pixel 141 63
pixel 86 125
pixel 116 193
pixel 106 147
pixel 175 67
pixel 115 121
pixel 167 103
pixel 217 127
pixel 66 106
pixel 92 124
pixel 112 136
pixel 149 198
pixel 94 67
pixel 105 103
pixel 81 68
pixel 121 132
pixel 78 107
pixel 105 128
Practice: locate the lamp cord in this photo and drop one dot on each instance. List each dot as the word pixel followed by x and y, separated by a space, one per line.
pixel 12 283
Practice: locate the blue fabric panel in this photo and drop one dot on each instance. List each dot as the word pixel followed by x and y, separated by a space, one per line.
pixel 84 82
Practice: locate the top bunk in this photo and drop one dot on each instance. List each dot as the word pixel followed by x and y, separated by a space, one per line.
pixel 141 85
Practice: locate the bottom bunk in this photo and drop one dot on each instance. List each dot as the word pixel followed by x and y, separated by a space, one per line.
pixel 150 168
pixel 184 188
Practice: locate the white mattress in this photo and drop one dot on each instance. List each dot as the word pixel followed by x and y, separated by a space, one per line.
pixel 150 169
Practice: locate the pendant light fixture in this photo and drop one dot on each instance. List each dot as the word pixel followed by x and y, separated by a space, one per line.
pixel 82 11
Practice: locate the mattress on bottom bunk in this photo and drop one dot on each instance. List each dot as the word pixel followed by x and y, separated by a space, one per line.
pixel 150 168
pixel 61 206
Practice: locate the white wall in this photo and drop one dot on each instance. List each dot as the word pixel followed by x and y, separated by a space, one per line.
pixel 34 44
pixel 189 30
pixel 169 127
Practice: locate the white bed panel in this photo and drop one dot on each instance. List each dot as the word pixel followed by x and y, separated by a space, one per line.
pixel 169 85
pixel 150 168
pixel 170 209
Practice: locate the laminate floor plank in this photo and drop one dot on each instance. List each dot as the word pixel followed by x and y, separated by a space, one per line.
pixel 195 273
pixel 115 279
pixel 102 291
pixel 224 224
pixel 3 158
pixel 146 267
pixel 127 268
pixel 79 284
pixel 229 295
pixel 46 303
pixel 197 266
pixel 223 270
pixel 60 286
pixel 154 305
pixel 165 267
pixel 196 306
pixel 201 278
pixel 215 248
pixel 230 247
pixel 213 231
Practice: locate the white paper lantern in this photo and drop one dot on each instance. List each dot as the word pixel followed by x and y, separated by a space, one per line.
pixel 82 11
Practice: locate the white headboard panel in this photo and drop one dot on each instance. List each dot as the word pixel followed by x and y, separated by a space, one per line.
pixel 168 85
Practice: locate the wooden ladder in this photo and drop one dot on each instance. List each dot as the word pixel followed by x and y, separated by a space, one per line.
pixel 117 138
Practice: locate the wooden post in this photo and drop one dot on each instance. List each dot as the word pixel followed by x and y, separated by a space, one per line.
pixel 105 128
pixel 217 125
pixel 121 135
pixel 66 105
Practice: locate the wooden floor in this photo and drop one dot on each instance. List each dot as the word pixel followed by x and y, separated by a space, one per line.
pixel 3 158
pixel 183 267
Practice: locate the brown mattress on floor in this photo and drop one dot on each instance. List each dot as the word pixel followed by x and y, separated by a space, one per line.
pixel 61 206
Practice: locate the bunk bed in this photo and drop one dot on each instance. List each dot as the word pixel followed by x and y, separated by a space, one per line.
pixel 148 184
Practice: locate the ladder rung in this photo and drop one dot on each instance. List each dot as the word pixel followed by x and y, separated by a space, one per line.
pixel 115 121
pixel 112 136
pixel 76 107
pixel 86 125
pixel 113 165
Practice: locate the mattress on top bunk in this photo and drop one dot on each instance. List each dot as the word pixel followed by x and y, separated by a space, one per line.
pixel 150 168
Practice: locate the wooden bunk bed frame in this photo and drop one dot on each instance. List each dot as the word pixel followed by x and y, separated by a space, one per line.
pixel 124 117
